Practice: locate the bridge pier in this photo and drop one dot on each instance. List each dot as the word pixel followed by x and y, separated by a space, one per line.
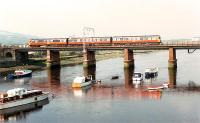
pixel 172 77
pixel 172 62
pixel 53 58
pixel 128 75
pixel 89 58
pixel 21 58
pixel 128 58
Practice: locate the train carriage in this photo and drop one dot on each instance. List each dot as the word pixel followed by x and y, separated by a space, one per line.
pixel 57 42
pixel 79 41
pixel 48 42
pixel 89 41
pixel 147 39
pixel 37 42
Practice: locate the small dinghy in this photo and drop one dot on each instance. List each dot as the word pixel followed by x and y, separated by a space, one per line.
pixel 115 77
pixel 20 74
pixel 163 86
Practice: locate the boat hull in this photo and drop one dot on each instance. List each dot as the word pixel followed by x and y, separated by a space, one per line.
pixel 80 85
pixel 12 76
pixel 24 101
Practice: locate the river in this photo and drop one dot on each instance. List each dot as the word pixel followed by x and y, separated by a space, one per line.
pixel 118 100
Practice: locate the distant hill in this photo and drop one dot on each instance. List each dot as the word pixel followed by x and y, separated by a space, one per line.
pixel 14 38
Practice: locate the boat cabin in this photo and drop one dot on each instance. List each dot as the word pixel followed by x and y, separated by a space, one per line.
pixel 137 75
pixel 16 92
pixel 82 79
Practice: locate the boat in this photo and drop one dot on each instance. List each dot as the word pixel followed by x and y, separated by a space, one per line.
pixel 19 112
pixel 137 76
pixel 21 96
pixel 20 73
pixel 115 77
pixel 151 72
pixel 159 87
pixel 82 81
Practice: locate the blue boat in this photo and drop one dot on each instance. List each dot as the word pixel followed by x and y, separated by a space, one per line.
pixel 20 74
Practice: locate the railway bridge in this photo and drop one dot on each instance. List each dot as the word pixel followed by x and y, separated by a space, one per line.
pixel 53 53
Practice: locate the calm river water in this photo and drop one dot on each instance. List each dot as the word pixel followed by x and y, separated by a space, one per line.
pixel 117 101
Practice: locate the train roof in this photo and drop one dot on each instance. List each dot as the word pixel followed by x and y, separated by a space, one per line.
pixel 93 37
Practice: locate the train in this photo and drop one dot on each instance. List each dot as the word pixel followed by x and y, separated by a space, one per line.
pixel 78 41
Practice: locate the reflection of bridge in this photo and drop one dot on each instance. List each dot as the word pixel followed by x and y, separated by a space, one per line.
pixel 124 90
pixel 53 54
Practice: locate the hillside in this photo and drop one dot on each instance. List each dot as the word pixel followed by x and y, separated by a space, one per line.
pixel 14 38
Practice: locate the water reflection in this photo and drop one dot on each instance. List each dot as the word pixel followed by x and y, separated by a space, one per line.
pixel 81 92
pixel 22 81
pixel 50 83
pixel 54 75
pixel 172 73
pixel 21 112
pixel 90 71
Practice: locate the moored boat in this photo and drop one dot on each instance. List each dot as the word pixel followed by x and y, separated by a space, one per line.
pixel 137 76
pixel 159 87
pixel 82 81
pixel 21 96
pixel 20 74
pixel 151 72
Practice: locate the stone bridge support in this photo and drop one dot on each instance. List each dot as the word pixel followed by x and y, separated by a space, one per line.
pixel 53 58
pixel 21 58
pixel 89 58
pixel 128 58
pixel 172 63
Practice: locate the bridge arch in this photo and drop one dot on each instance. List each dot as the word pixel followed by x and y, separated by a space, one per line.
pixel 8 55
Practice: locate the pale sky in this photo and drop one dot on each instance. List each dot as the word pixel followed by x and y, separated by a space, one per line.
pixel 61 18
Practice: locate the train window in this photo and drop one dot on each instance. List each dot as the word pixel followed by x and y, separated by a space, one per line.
pixel 55 40
pixel 149 38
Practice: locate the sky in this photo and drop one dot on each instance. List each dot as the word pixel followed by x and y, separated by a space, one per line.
pixel 61 18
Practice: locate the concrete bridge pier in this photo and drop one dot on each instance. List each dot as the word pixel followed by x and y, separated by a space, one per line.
pixel 21 58
pixel 53 58
pixel 172 62
pixel 89 58
pixel 128 58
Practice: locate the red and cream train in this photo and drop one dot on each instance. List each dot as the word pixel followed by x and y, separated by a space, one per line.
pixel 77 41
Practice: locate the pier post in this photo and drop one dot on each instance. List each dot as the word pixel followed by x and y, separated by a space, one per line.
pixel 128 58
pixel 172 62
pixel 21 58
pixel 89 58
pixel 53 58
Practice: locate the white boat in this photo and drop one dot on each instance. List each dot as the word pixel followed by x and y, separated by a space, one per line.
pixel 20 96
pixel 20 73
pixel 137 76
pixel 151 72
pixel 163 86
pixel 82 81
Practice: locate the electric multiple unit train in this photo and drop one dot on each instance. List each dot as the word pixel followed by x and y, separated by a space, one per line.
pixel 78 41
